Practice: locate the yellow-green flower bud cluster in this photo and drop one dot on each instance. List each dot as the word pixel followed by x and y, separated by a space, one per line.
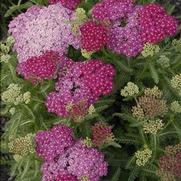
pixel 163 61
pixel 12 110
pixel 175 107
pixel 91 109
pixel 5 49
pixel 155 92
pixel 177 44
pixel 86 54
pixel 80 18
pixel 150 50
pixel 130 89
pixel 153 126
pixel 176 83
pixel 14 96
pixel 143 156
pixel 22 146
pixel 84 178
pixel 138 112
pixel 87 142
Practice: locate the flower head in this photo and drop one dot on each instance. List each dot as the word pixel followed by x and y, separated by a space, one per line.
pixel 13 95
pixel 163 61
pixel 53 143
pixel 84 161
pixel 41 67
pixel 153 126
pixel 130 90
pixel 112 9
pixel 156 24
pixel 44 29
pixel 176 83
pixel 78 162
pixel 143 156
pixel 150 50
pixel 102 134
pixel 155 92
pixel 124 36
pixel 153 107
pixel 66 177
pixel 80 86
pixel 175 107
pixel 171 162
pixel 93 36
pixel 22 146
pixel 70 4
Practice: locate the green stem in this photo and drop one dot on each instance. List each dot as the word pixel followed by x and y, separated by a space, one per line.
pixel 30 111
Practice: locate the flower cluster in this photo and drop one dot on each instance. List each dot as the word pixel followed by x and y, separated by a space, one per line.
pixel 143 156
pixel 41 67
pixel 177 44
pixel 171 161
pixel 44 29
pixel 68 160
pixel 130 90
pixel 22 146
pixel 5 49
pixel 155 23
pixel 93 36
pixel 150 49
pixel 150 105
pixel 126 39
pixel 112 9
pixel 175 107
pixel 153 126
pixel 79 86
pixel 79 18
pixel 131 26
pixel 176 83
pixel 102 134
pixel 13 95
pixel 54 142
pixel 70 4
pixel 163 61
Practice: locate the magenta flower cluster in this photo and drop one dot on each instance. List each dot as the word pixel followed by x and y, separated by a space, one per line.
pixel 156 24
pixel 39 68
pixel 131 26
pixel 54 142
pixel 80 82
pixel 66 158
pixel 42 29
pixel 70 4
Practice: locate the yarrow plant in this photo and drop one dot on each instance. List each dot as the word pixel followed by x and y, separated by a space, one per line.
pixel 90 90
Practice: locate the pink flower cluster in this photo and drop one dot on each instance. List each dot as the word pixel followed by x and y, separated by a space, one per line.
pixel 42 29
pixel 38 68
pixel 54 142
pixel 80 82
pixel 131 26
pixel 70 4
pixel 156 24
pixel 65 158
pixel 101 134
pixel 93 36
pixel 171 163
pixel 112 9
